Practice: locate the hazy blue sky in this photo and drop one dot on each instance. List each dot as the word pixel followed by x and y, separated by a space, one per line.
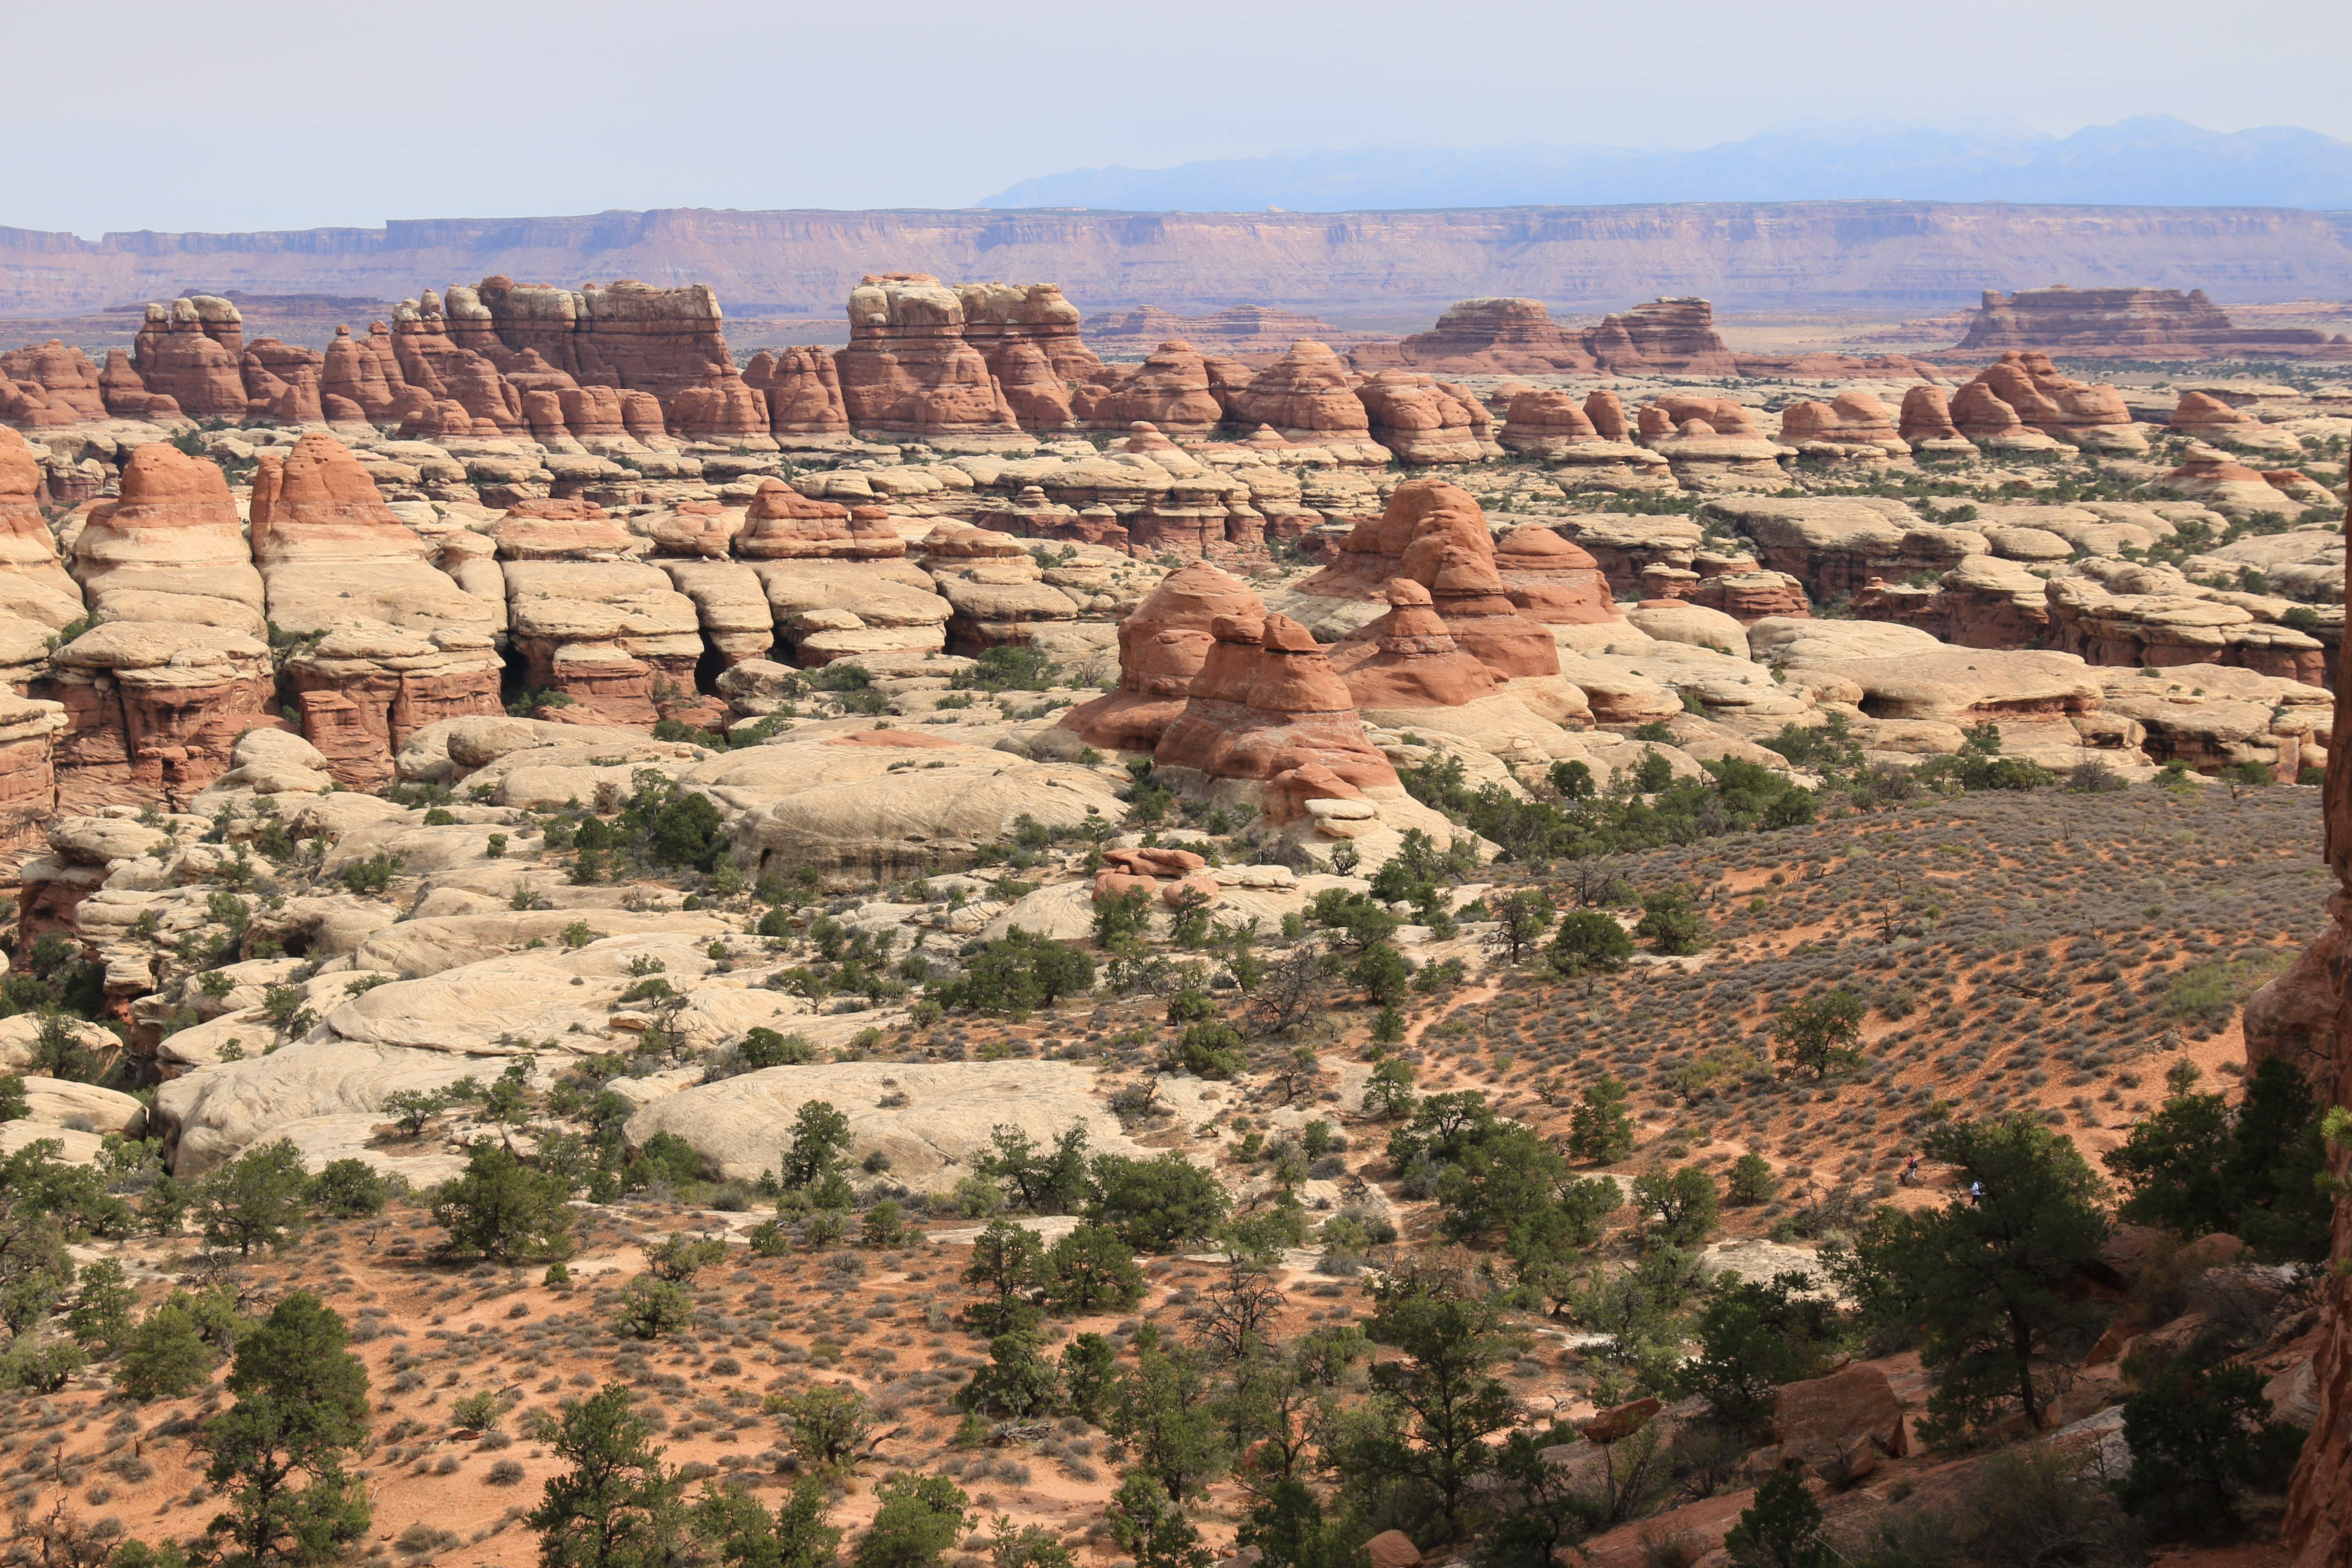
pixel 272 114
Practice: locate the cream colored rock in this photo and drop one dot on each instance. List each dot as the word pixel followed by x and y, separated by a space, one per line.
pixel 83 1107
pixel 449 751
pixel 210 1115
pixel 847 800
pixel 416 947
pixel 17 1035
pixel 1693 624
pixel 71 1147
pixel 739 1125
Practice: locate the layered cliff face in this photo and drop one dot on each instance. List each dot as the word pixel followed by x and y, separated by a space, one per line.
pixel 908 370
pixel 2131 323
pixel 2318 1527
pixel 388 643
pixel 178 665
pixel 189 351
pixel 1746 255
pixel 2023 392
pixel 1504 336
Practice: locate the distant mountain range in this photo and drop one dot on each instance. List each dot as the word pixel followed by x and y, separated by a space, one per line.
pixel 2154 160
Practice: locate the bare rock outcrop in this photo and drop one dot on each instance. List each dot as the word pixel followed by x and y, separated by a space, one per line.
pixel 189 351
pixel 857 800
pixel 2143 617
pixel 1266 709
pixel 179 665
pixel 804 393
pixel 1170 390
pixel 2205 418
pixel 1424 421
pixel 43 384
pixel 389 643
pixel 1306 395
pixel 1495 337
pixel 1552 581
pixel 1161 646
pixel 38 598
pixel 1408 658
pixel 1851 424
pixel 588 619
pixel 2024 392
pixel 908 370
pixel 837 582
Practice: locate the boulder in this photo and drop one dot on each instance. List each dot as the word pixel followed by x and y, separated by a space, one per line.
pixel 1827 1422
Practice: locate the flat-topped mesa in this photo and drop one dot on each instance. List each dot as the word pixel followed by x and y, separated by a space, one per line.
pixel 908 370
pixel 2130 323
pixel 1408 658
pixel 1552 580
pixel 1170 390
pixel 1028 333
pixel 190 352
pixel 1307 395
pixel 2025 391
pixel 803 393
pixel 1423 420
pixel 391 644
pixel 1162 645
pixel 1267 708
pixel 1852 424
pixel 1668 336
pixel 1495 336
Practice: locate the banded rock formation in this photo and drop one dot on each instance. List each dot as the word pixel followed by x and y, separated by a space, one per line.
pixel 2132 324
pixel 389 644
